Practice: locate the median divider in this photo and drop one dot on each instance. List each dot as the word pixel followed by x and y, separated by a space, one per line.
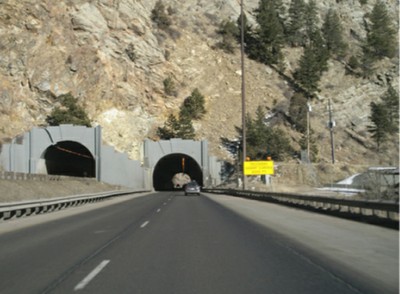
pixel 385 213
pixel 27 208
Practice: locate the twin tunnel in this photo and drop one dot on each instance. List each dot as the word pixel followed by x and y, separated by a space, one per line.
pixel 70 158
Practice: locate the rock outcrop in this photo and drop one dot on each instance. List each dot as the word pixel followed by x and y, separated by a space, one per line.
pixel 112 57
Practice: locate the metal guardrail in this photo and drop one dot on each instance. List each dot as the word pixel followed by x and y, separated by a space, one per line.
pixel 365 209
pixel 27 208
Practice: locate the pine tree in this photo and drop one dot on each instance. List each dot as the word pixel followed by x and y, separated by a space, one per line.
pixel 248 36
pixel 390 101
pixel 367 63
pixel 185 129
pixel 256 129
pixel 270 34
pixel 314 60
pixel 353 63
pixel 381 36
pixel 380 119
pixel 181 127
pixel 160 17
pixel 69 112
pixel 298 112
pixel 230 34
pixel 280 12
pixel 321 51
pixel 311 21
pixel 251 42
pixel 308 73
pixel 194 105
pixel 296 24
pixel 332 32
pixel 385 116
pixel 169 130
pixel 315 41
pixel 263 140
pixel 169 87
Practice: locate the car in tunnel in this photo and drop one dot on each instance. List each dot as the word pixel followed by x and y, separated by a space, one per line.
pixel 192 188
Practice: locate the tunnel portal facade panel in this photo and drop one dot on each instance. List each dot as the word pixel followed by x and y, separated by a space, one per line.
pixel 65 150
pixel 37 152
pixel 71 150
pixel 33 151
pixel 168 157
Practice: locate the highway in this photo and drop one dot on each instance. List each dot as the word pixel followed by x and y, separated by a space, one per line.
pixel 168 243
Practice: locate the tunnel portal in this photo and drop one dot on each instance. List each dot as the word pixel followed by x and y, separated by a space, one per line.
pixel 69 158
pixel 172 164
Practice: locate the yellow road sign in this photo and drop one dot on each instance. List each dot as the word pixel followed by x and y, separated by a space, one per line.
pixel 262 167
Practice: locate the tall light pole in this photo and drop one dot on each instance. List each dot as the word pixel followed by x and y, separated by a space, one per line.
pixel 243 91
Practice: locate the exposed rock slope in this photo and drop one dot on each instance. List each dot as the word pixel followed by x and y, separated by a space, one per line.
pixel 110 55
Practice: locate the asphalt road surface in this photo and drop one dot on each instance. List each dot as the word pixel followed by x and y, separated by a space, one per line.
pixel 165 243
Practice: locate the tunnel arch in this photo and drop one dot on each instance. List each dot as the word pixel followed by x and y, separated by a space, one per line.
pixel 69 158
pixel 172 164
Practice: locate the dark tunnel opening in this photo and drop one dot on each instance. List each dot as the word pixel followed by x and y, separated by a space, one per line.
pixel 170 165
pixel 68 158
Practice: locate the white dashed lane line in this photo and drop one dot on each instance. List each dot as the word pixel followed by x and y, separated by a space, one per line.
pixel 91 276
pixel 144 224
pixel 104 263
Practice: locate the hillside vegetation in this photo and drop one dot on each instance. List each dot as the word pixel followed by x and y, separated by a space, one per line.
pixel 131 65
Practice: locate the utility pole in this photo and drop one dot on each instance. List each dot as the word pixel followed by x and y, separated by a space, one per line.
pixel 308 130
pixel 243 92
pixel 331 124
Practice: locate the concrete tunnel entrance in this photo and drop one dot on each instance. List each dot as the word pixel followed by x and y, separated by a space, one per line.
pixel 69 158
pixel 170 165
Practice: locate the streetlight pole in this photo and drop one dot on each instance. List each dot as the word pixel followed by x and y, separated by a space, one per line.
pixel 243 91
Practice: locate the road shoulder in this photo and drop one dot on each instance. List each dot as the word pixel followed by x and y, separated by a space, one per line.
pixel 362 248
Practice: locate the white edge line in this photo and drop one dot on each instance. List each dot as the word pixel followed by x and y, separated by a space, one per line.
pixel 144 224
pixel 91 276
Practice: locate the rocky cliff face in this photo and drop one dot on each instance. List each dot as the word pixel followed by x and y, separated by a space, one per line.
pixel 111 56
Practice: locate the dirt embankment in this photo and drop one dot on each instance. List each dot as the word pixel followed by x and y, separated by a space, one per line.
pixel 22 190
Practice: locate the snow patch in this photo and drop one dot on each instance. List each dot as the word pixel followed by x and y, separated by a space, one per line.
pixel 348 181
